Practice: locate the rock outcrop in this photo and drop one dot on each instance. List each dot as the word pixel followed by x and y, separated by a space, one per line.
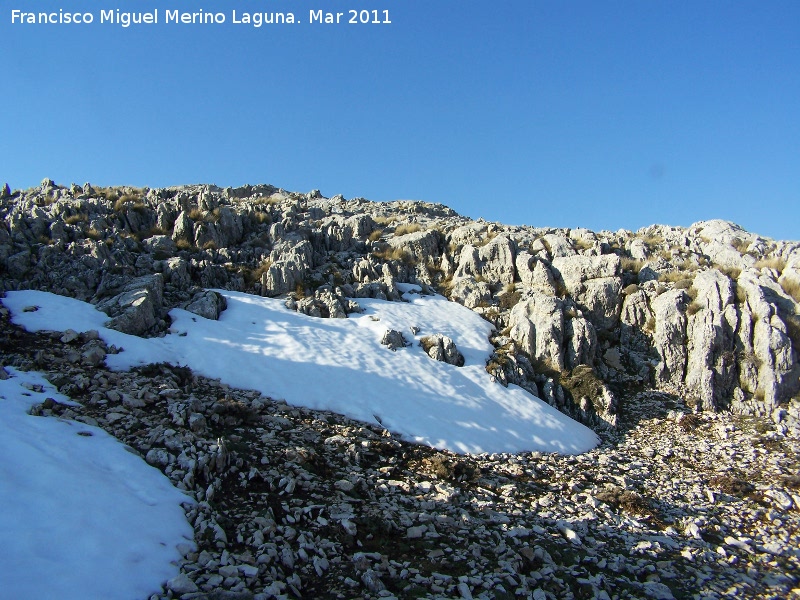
pixel 709 312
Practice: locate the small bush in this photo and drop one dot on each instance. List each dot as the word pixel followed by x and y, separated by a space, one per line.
pixel 407 228
pixel 375 235
pixel 384 220
pixel 791 288
pixel 446 286
pixel 73 219
pixel 632 264
pixel 731 272
pixel 390 253
pixel 251 276
pixel 740 245
pixel 195 214
pixel 683 284
pixel 771 263
pixel 694 307
pixel 210 245
pixel 732 486
pixel 793 330
pixel 631 289
pixel 653 241
pixel 509 300
pixel 671 276
pixel 133 201
pixel 263 218
pixel 184 245
pixel 269 200
pixel 741 295
pixel 93 234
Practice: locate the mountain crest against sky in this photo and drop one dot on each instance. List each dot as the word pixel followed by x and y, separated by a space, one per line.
pixel 581 319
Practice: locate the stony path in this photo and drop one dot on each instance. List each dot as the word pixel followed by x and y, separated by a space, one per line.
pixel 293 503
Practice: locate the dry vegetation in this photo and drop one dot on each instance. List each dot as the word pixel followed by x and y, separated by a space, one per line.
pixel 407 228
pixel 390 253
pixel 771 263
pixel 791 288
pixel 632 264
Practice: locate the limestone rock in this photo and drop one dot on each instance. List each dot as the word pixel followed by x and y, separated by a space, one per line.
pixel 208 304
pixel 442 348
pixel 394 339
pixel 137 306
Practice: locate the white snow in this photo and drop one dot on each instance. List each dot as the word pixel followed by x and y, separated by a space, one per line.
pixel 80 517
pixel 340 365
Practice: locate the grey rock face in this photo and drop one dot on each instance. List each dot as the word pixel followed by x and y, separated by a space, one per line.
pixel 537 326
pixel 442 348
pixel 137 306
pixel 708 312
pixel 393 339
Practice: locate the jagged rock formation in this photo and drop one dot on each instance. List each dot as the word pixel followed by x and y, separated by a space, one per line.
pixel 583 319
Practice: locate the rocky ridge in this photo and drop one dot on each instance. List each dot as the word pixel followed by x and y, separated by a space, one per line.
pixel 583 319
pixel 680 346
pixel 288 502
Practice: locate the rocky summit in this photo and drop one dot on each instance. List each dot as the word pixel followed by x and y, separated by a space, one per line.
pixel 679 346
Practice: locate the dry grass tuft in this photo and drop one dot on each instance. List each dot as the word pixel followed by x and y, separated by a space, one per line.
pixel 791 288
pixel 771 263
pixel 632 264
pixel 390 253
pixel 407 228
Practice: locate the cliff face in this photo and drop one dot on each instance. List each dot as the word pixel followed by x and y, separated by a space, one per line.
pixel 584 320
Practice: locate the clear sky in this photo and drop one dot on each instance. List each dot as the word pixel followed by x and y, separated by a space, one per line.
pixel 598 114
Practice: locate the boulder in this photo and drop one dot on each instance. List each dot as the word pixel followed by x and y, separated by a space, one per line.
pixel 394 339
pixel 136 307
pixel 442 348
pixel 208 304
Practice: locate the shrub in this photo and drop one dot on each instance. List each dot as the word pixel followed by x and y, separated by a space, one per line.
pixel 731 272
pixel 93 234
pixel 740 245
pixel 632 264
pixel 375 235
pixel 407 228
pixel 741 295
pixel 390 253
pixel 791 288
pixel 793 330
pixel 694 307
pixel 251 276
pixel 653 241
pixel 671 276
pixel 631 289
pixel 771 263
pixel 683 284
pixel 269 200
pixel 73 219
pixel 133 201
pixel 195 214
pixel 184 245
pixel 262 218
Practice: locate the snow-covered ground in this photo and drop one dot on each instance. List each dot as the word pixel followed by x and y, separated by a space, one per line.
pixel 80 516
pixel 340 365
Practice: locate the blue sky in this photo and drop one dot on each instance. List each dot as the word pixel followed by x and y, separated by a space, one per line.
pixel 559 113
